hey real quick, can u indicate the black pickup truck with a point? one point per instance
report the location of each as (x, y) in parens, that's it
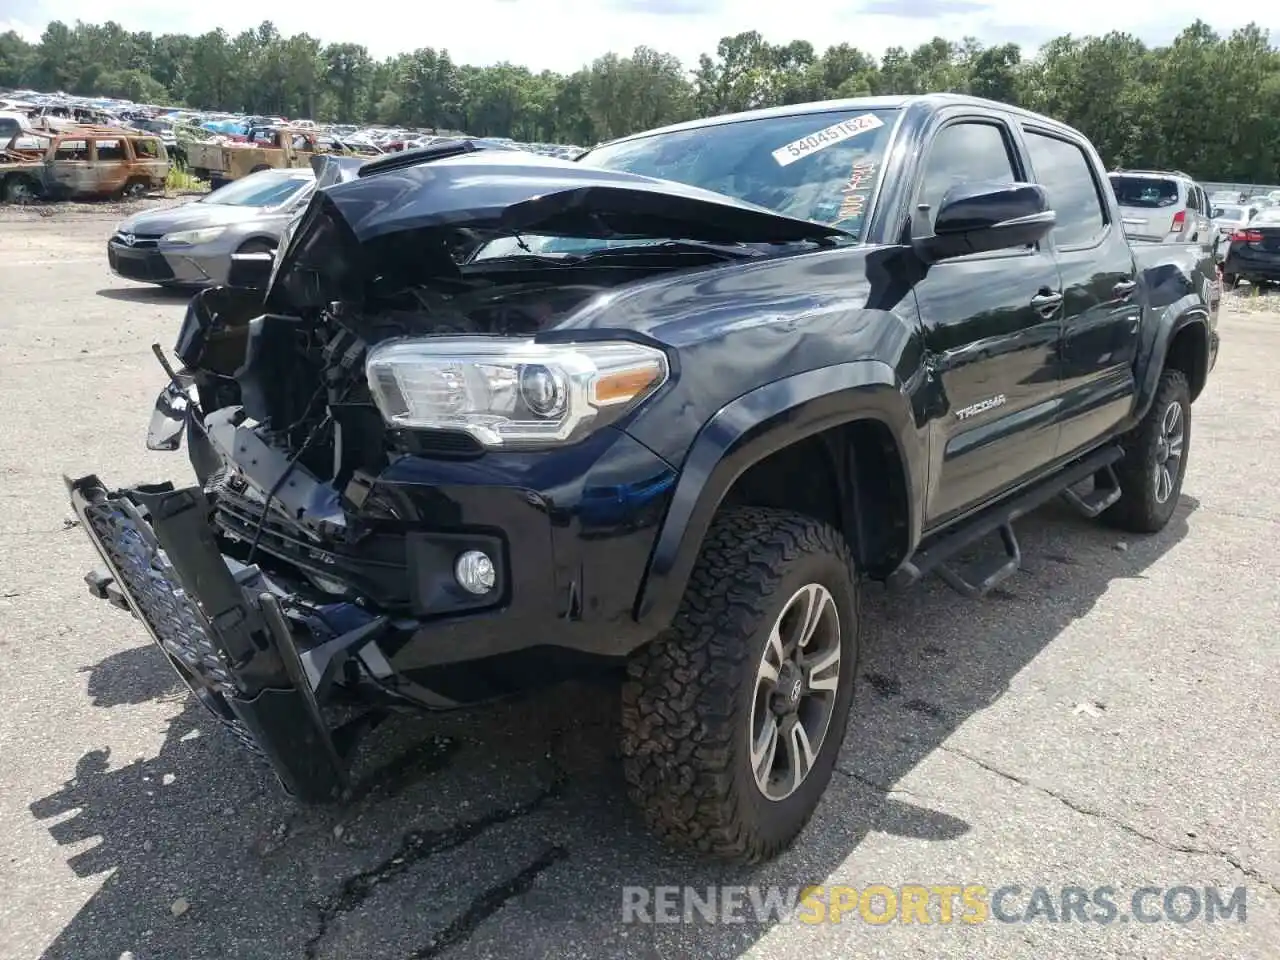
(493, 419)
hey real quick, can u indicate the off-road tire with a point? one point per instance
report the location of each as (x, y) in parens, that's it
(1138, 510)
(686, 703)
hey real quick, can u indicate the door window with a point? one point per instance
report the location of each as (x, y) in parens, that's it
(965, 152)
(1067, 176)
(146, 149)
(110, 150)
(72, 150)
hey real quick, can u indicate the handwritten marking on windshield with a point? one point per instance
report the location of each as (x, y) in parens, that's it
(836, 133)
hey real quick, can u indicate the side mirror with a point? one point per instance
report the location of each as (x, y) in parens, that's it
(982, 217)
(250, 271)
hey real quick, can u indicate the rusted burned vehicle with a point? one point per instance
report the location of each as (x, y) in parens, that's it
(222, 162)
(83, 163)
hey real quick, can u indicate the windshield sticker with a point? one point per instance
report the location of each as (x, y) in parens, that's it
(851, 206)
(853, 195)
(836, 133)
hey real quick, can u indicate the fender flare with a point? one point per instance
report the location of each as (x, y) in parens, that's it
(750, 428)
(1172, 322)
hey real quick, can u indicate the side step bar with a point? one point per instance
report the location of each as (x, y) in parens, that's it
(1105, 492)
(999, 518)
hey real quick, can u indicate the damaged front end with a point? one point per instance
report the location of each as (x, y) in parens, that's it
(405, 465)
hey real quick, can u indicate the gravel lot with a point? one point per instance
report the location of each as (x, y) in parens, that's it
(1109, 718)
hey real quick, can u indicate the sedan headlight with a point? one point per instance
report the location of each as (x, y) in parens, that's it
(192, 237)
(509, 392)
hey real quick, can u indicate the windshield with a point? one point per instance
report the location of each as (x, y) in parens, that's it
(1229, 213)
(1145, 192)
(816, 166)
(267, 189)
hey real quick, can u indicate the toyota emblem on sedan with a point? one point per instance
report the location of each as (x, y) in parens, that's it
(129, 239)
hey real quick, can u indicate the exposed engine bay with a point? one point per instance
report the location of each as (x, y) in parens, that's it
(288, 441)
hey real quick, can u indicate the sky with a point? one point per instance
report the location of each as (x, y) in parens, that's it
(563, 35)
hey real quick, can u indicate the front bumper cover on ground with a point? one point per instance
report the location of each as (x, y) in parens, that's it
(222, 628)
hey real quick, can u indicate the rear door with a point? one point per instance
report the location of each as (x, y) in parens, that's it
(150, 159)
(109, 161)
(1101, 310)
(1150, 207)
(992, 324)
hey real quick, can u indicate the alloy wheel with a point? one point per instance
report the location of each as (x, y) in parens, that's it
(1173, 432)
(795, 691)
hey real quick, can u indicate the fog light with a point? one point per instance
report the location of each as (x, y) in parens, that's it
(475, 572)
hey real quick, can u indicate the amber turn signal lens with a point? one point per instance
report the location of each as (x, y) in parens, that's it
(621, 386)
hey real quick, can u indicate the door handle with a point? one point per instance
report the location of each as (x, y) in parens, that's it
(1046, 303)
(1124, 288)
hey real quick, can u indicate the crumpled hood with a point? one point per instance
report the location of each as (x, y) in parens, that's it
(517, 192)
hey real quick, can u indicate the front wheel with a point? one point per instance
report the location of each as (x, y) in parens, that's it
(1155, 460)
(19, 189)
(732, 719)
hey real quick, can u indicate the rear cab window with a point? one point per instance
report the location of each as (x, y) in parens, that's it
(1151, 193)
(1064, 170)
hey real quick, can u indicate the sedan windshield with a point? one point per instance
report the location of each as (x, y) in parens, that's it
(813, 166)
(265, 189)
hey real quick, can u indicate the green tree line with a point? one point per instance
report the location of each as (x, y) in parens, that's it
(1206, 103)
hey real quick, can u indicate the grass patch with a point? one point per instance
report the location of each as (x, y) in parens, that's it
(180, 180)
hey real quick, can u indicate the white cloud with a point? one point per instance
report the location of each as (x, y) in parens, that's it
(564, 34)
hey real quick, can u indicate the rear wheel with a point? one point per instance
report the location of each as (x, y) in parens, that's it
(1155, 460)
(732, 720)
(133, 190)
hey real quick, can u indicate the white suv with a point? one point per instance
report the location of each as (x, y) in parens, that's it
(1168, 206)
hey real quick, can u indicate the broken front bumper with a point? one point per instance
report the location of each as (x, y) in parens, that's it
(222, 629)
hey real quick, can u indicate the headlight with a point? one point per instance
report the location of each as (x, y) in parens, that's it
(508, 392)
(190, 237)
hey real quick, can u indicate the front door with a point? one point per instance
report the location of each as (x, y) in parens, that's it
(70, 170)
(992, 323)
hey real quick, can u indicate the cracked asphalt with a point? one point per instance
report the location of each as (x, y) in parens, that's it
(1109, 717)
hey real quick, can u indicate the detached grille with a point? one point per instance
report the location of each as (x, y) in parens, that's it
(145, 574)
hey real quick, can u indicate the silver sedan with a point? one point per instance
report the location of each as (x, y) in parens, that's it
(191, 245)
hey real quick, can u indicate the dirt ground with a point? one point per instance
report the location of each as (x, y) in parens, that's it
(1107, 718)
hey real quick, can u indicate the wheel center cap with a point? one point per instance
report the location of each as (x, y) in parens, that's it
(793, 696)
(789, 690)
